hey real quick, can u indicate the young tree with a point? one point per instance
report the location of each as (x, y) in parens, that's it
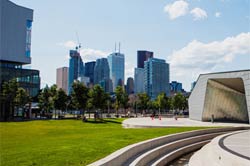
(143, 101)
(61, 101)
(124, 101)
(8, 94)
(163, 102)
(119, 92)
(21, 98)
(179, 101)
(80, 95)
(45, 101)
(97, 98)
(121, 99)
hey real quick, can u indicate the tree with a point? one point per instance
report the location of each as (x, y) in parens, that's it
(45, 101)
(163, 102)
(179, 102)
(97, 98)
(53, 95)
(143, 101)
(21, 98)
(121, 98)
(8, 95)
(80, 95)
(124, 101)
(61, 100)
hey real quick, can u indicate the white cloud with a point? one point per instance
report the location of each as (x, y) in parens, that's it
(89, 54)
(68, 44)
(198, 13)
(198, 57)
(176, 9)
(217, 14)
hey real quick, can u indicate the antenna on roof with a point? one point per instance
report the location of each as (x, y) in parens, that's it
(115, 46)
(78, 47)
(119, 47)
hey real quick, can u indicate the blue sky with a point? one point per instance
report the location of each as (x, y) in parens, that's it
(194, 36)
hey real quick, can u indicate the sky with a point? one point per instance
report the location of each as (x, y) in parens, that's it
(193, 36)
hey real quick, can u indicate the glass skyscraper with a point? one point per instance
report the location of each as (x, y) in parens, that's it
(76, 68)
(102, 73)
(130, 85)
(116, 63)
(139, 77)
(156, 77)
(142, 56)
(175, 87)
(89, 71)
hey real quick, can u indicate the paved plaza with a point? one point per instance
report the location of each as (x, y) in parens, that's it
(172, 122)
(238, 144)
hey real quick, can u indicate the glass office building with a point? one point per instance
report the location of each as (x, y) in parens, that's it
(175, 87)
(142, 56)
(139, 77)
(102, 73)
(89, 71)
(156, 77)
(116, 64)
(15, 46)
(76, 68)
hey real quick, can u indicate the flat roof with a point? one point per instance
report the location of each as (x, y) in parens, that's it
(227, 72)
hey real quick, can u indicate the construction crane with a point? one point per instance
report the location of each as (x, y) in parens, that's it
(78, 46)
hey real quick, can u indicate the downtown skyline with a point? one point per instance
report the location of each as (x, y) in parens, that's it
(197, 38)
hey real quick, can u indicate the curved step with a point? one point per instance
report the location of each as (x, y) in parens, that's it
(128, 154)
(219, 153)
(178, 153)
(153, 154)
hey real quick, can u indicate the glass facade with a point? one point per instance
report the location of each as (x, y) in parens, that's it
(76, 68)
(116, 63)
(175, 87)
(143, 56)
(27, 79)
(102, 73)
(156, 77)
(28, 37)
(139, 77)
(89, 70)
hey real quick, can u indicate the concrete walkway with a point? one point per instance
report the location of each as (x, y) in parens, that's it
(238, 144)
(229, 149)
(147, 122)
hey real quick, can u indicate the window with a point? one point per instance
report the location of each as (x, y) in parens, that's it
(28, 37)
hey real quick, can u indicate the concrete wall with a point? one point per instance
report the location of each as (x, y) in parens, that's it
(197, 98)
(13, 32)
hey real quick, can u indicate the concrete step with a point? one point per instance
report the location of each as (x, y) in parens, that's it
(148, 157)
(129, 154)
(164, 160)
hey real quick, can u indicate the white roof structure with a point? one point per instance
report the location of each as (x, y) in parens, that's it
(223, 97)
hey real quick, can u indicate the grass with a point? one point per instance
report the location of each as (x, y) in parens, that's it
(68, 142)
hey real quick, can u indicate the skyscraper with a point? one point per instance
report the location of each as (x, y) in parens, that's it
(130, 85)
(101, 75)
(89, 71)
(142, 56)
(76, 68)
(116, 63)
(62, 78)
(156, 77)
(15, 46)
(138, 82)
(175, 87)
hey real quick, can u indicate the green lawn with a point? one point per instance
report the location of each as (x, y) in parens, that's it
(68, 142)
